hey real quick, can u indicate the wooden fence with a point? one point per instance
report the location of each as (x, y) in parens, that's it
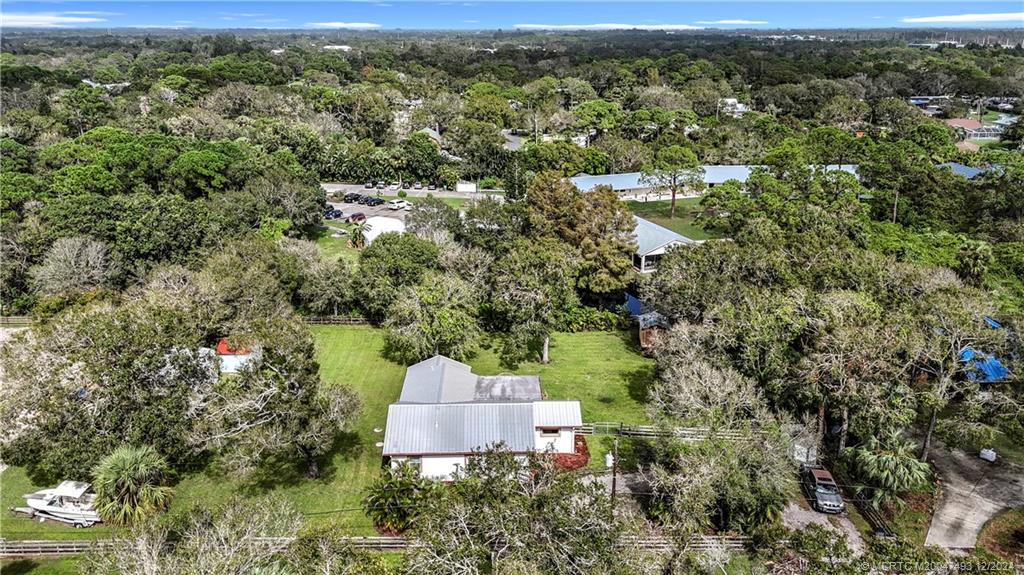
(10, 549)
(335, 320)
(15, 321)
(684, 433)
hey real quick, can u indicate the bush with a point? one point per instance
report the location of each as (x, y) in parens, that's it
(591, 319)
(489, 183)
(395, 497)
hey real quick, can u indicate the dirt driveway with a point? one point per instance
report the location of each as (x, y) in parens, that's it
(971, 491)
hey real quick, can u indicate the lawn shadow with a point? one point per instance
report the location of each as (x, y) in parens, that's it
(19, 567)
(639, 383)
(276, 472)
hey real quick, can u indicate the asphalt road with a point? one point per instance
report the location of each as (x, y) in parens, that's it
(370, 211)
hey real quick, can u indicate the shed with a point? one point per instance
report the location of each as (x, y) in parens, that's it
(379, 225)
(650, 327)
(232, 359)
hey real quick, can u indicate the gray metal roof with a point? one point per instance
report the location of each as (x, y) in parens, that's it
(461, 428)
(650, 236)
(652, 319)
(557, 414)
(712, 175)
(507, 388)
(438, 380)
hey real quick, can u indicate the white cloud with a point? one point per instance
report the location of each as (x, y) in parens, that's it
(243, 14)
(998, 17)
(734, 21)
(92, 13)
(606, 26)
(345, 25)
(44, 20)
(470, 21)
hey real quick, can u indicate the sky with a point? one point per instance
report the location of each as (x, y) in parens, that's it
(489, 14)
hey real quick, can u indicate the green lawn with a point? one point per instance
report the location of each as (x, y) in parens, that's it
(659, 211)
(335, 248)
(603, 370)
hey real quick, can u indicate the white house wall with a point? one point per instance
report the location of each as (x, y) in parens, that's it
(562, 443)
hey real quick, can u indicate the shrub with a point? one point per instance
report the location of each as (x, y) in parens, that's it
(130, 485)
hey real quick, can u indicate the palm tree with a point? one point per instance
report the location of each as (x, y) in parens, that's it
(887, 467)
(130, 485)
(393, 499)
(359, 234)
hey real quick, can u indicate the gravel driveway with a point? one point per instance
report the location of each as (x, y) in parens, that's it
(797, 516)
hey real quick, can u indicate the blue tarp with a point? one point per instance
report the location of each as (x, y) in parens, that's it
(633, 305)
(987, 369)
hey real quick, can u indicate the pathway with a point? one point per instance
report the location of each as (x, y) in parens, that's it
(796, 516)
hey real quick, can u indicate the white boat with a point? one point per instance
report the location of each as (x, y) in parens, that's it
(70, 502)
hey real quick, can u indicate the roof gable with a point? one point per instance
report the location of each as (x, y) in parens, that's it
(650, 236)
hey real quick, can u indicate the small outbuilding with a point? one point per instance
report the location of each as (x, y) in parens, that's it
(651, 327)
(232, 358)
(378, 225)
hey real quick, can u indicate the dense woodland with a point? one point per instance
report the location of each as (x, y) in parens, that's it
(144, 219)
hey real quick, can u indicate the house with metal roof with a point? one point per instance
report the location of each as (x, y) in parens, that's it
(634, 183)
(446, 413)
(652, 241)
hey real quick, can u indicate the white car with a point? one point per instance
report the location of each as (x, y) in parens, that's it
(395, 185)
(399, 205)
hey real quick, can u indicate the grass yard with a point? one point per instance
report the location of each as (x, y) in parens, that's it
(1003, 536)
(659, 211)
(603, 370)
(336, 248)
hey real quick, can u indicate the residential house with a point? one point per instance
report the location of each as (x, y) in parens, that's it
(652, 241)
(732, 107)
(446, 413)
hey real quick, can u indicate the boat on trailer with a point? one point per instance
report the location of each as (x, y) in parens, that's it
(70, 502)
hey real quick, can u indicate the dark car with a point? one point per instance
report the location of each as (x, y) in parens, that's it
(375, 202)
(365, 200)
(822, 490)
(356, 217)
(352, 197)
(336, 214)
(329, 215)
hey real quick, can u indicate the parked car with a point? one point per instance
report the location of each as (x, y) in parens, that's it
(368, 185)
(337, 214)
(417, 186)
(432, 187)
(398, 204)
(329, 215)
(395, 185)
(375, 202)
(405, 185)
(356, 217)
(381, 185)
(364, 200)
(352, 197)
(822, 490)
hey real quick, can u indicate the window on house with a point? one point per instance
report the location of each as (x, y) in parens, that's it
(550, 432)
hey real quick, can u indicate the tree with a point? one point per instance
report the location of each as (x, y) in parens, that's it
(886, 467)
(531, 294)
(598, 115)
(72, 265)
(604, 236)
(675, 168)
(84, 107)
(324, 550)
(973, 261)
(130, 485)
(275, 405)
(391, 263)
(396, 498)
(217, 542)
(437, 316)
(495, 518)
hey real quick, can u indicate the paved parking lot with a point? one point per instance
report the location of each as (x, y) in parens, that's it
(382, 210)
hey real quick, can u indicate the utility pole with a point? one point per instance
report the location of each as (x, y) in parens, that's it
(615, 467)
